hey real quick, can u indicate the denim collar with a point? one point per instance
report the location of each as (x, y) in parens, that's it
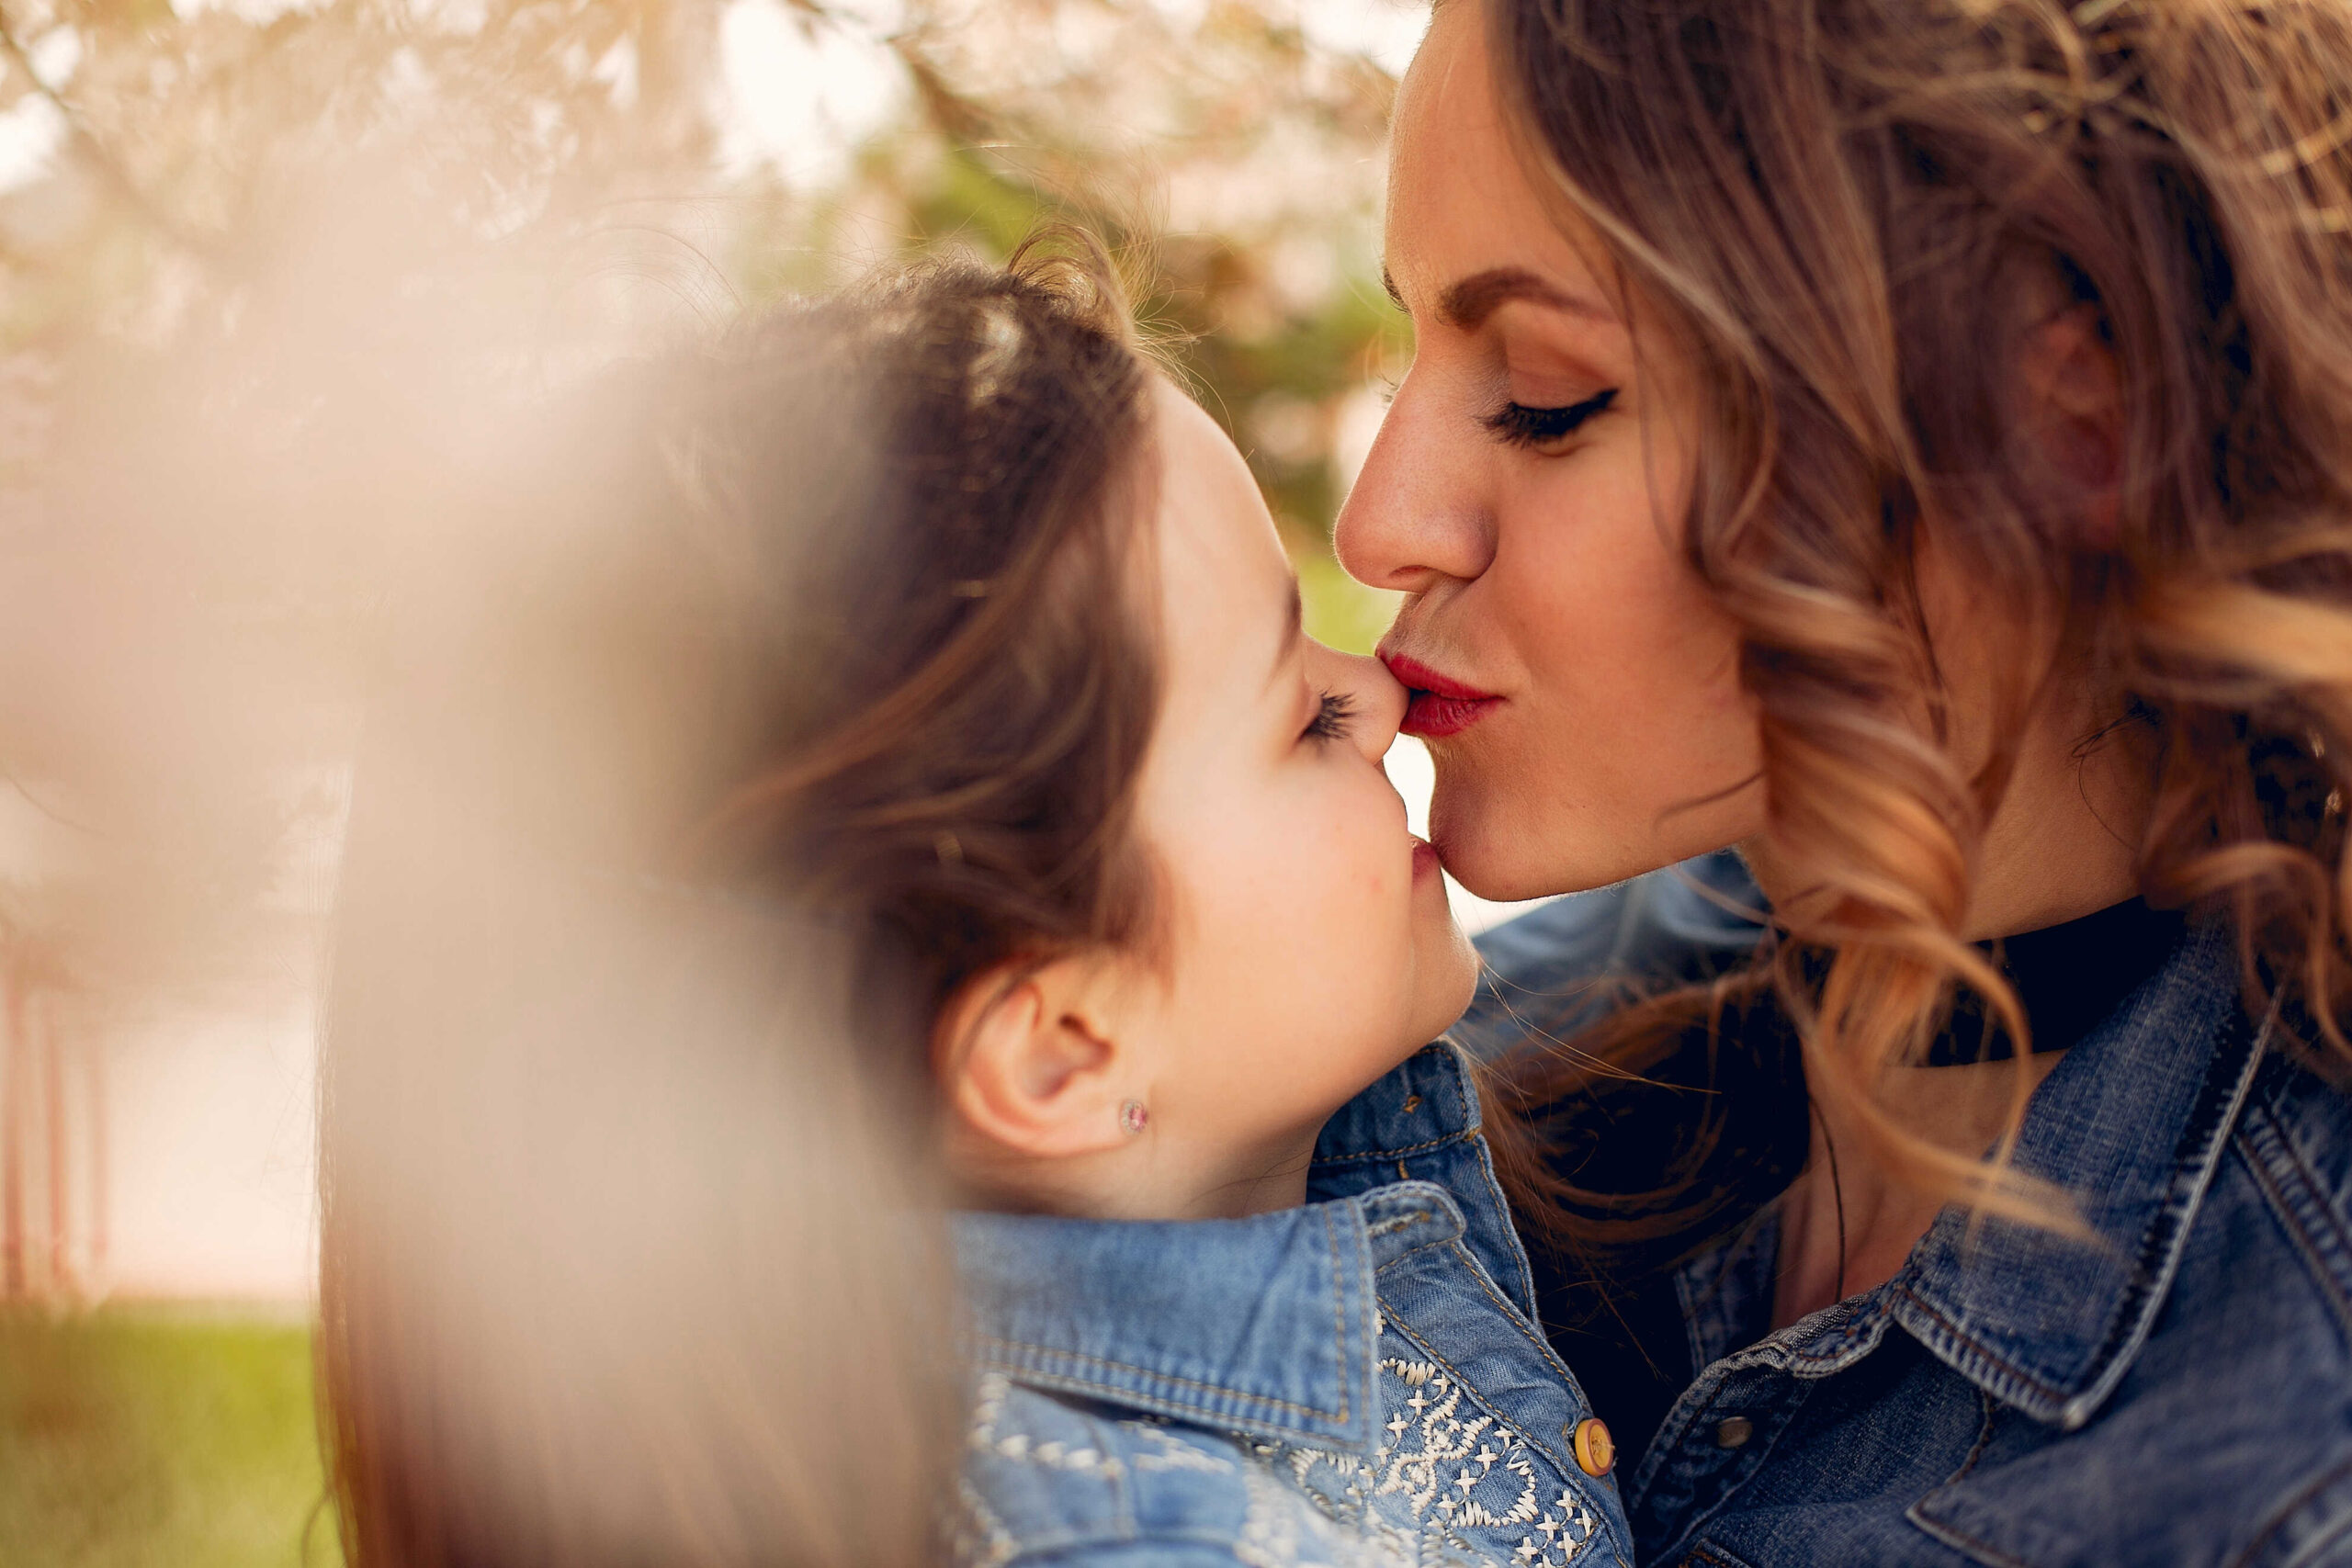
(2132, 1123)
(1267, 1325)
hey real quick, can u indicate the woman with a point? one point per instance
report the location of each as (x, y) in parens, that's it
(1905, 442)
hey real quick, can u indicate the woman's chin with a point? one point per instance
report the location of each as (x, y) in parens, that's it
(1500, 866)
(1508, 856)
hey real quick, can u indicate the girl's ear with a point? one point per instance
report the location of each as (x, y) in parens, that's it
(1029, 1061)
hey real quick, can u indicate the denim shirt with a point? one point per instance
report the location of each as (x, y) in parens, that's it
(1358, 1381)
(2176, 1390)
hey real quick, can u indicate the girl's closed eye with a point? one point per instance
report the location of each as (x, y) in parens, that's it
(1333, 710)
(1520, 425)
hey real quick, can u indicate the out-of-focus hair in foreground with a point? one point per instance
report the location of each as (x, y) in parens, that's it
(782, 706)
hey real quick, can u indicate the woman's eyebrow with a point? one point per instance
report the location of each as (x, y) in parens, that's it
(1468, 303)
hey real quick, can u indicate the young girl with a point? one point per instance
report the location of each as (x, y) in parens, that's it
(1238, 1282)
(966, 637)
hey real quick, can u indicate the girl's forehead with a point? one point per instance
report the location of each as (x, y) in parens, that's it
(1226, 584)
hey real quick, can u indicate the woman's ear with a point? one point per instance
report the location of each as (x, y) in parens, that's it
(2074, 394)
(1028, 1060)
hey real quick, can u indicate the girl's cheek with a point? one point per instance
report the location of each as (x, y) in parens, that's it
(1368, 829)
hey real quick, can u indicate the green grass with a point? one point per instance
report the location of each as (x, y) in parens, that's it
(130, 1439)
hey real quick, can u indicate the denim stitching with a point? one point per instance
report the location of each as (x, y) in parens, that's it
(1340, 1315)
(1417, 1249)
(1119, 1393)
(1518, 1248)
(2000, 1364)
(1705, 1555)
(1462, 1105)
(1456, 1082)
(1984, 1440)
(2263, 1144)
(1511, 1313)
(2280, 1516)
(1985, 1550)
(1339, 1326)
(2219, 1105)
(1397, 1152)
(1918, 1514)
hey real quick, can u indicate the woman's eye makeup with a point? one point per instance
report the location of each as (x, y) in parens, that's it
(1333, 710)
(1520, 425)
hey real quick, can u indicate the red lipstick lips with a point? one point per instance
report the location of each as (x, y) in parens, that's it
(1439, 706)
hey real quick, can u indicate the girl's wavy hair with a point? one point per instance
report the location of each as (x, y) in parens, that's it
(959, 760)
(1835, 206)
(811, 677)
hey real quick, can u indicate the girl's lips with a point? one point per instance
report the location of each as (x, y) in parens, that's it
(1440, 707)
(1425, 861)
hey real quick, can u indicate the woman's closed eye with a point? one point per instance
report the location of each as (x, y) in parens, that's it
(1520, 425)
(1333, 711)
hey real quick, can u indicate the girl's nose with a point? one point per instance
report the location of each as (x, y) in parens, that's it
(1375, 697)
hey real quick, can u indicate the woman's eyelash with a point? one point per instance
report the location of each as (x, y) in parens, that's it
(1332, 714)
(1523, 427)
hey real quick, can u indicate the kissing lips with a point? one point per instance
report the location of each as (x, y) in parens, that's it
(1425, 861)
(1439, 706)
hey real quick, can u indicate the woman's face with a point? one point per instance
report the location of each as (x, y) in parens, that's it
(1576, 685)
(1312, 948)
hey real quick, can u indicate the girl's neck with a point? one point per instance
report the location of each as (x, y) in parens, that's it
(1153, 1179)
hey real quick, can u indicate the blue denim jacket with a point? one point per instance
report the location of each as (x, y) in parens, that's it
(1357, 1381)
(2178, 1392)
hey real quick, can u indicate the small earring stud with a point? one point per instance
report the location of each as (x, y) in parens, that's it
(1133, 1117)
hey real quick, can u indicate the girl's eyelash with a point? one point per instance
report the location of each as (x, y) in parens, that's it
(1522, 426)
(1332, 713)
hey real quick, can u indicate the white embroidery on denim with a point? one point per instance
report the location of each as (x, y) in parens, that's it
(1440, 1473)
(1437, 1475)
(981, 1540)
(988, 1407)
(1174, 1453)
(1281, 1531)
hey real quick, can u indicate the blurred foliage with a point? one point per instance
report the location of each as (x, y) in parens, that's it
(147, 1441)
(154, 155)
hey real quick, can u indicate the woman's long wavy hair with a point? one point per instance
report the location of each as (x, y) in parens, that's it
(1840, 209)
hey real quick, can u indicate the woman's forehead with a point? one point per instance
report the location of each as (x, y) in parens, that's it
(1461, 205)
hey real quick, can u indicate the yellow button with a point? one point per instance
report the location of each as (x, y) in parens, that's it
(1596, 1451)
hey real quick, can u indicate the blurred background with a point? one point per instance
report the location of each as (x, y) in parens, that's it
(222, 228)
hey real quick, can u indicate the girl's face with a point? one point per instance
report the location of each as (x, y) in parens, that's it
(1576, 686)
(1309, 948)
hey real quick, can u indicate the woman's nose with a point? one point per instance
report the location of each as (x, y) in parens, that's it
(1417, 513)
(1376, 699)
